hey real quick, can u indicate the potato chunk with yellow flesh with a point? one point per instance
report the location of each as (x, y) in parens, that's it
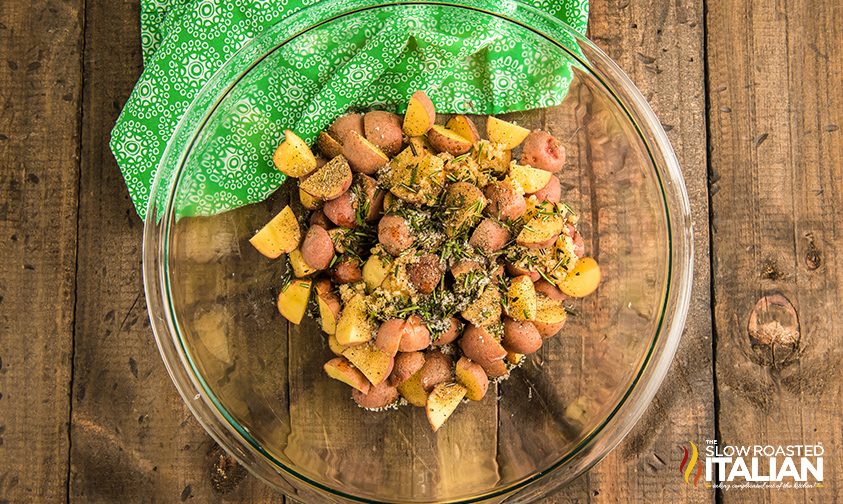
(354, 326)
(583, 279)
(279, 236)
(418, 178)
(442, 402)
(371, 361)
(506, 133)
(293, 157)
(521, 299)
(292, 301)
(527, 178)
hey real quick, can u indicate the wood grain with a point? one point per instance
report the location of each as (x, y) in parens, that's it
(133, 439)
(659, 45)
(40, 92)
(776, 106)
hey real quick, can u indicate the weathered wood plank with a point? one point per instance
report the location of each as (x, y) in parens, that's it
(128, 421)
(776, 106)
(40, 92)
(659, 44)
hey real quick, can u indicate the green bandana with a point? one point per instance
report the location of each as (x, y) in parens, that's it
(372, 59)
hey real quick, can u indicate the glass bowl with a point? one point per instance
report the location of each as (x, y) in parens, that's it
(255, 382)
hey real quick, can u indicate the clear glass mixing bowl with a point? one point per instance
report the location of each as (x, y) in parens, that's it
(255, 382)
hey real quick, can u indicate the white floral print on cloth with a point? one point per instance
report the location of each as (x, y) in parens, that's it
(375, 58)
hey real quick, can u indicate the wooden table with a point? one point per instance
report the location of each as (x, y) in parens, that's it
(750, 94)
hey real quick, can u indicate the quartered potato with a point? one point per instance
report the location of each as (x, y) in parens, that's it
(583, 279)
(279, 236)
(442, 402)
(292, 301)
(293, 157)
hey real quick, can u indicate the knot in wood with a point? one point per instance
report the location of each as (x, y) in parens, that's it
(773, 330)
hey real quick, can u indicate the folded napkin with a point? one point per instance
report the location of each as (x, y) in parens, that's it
(374, 58)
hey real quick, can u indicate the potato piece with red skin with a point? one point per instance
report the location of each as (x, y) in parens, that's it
(479, 345)
(347, 270)
(383, 129)
(438, 368)
(344, 125)
(463, 126)
(389, 337)
(379, 396)
(339, 368)
(548, 289)
(420, 115)
(329, 181)
(465, 266)
(541, 150)
(426, 273)
(489, 236)
(472, 376)
(406, 365)
(329, 146)
(576, 237)
(317, 249)
(318, 218)
(394, 234)
(552, 192)
(520, 336)
(451, 334)
(515, 270)
(444, 140)
(548, 329)
(372, 197)
(341, 211)
(505, 202)
(415, 335)
(363, 156)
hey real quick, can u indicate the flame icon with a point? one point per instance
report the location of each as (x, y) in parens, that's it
(686, 467)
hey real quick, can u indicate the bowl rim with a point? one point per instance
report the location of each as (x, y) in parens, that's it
(236, 439)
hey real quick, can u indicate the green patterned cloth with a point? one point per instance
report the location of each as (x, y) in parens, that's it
(374, 58)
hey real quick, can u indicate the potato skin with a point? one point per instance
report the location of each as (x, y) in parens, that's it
(548, 289)
(552, 192)
(362, 155)
(341, 211)
(389, 336)
(318, 218)
(520, 336)
(451, 334)
(317, 249)
(373, 196)
(516, 271)
(438, 368)
(576, 237)
(547, 330)
(444, 140)
(543, 151)
(505, 203)
(406, 365)
(347, 271)
(472, 376)
(460, 268)
(480, 346)
(394, 234)
(426, 273)
(415, 335)
(489, 236)
(379, 396)
(384, 130)
(344, 125)
(328, 145)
